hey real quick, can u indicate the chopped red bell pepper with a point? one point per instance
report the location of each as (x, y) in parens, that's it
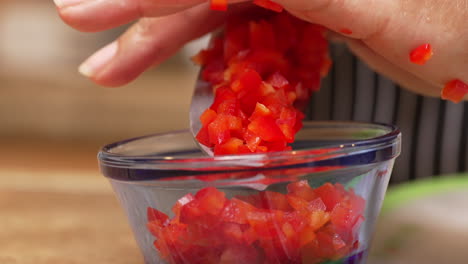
(266, 227)
(263, 72)
(220, 5)
(269, 5)
(454, 91)
(421, 54)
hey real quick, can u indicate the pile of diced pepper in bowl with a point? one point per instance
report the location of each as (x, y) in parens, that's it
(305, 225)
(263, 72)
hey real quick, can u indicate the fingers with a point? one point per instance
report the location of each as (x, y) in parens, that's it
(392, 71)
(99, 15)
(392, 29)
(148, 42)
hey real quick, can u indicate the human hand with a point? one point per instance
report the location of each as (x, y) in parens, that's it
(382, 33)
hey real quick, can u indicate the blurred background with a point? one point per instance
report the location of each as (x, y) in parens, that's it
(53, 122)
(45, 103)
(55, 207)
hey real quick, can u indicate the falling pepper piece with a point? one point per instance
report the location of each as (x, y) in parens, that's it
(454, 91)
(421, 54)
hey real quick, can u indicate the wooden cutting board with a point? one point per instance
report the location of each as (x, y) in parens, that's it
(62, 217)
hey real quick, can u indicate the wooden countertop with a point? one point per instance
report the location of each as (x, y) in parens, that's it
(56, 208)
(62, 217)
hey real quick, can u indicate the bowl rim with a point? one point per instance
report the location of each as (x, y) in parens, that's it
(391, 139)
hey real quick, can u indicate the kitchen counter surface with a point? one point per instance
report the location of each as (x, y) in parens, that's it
(56, 208)
(62, 217)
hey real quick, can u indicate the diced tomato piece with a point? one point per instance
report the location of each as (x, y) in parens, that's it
(220, 5)
(268, 4)
(454, 91)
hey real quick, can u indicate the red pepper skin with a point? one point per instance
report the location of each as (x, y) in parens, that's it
(454, 91)
(263, 72)
(219, 5)
(421, 54)
(269, 5)
(346, 31)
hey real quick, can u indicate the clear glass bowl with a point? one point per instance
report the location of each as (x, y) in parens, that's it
(315, 204)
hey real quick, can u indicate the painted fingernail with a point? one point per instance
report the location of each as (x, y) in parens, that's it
(98, 60)
(65, 3)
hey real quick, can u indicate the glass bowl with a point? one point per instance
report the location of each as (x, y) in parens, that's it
(315, 204)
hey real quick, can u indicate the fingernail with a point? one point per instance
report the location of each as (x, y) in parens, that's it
(65, 3)
(98, 60)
